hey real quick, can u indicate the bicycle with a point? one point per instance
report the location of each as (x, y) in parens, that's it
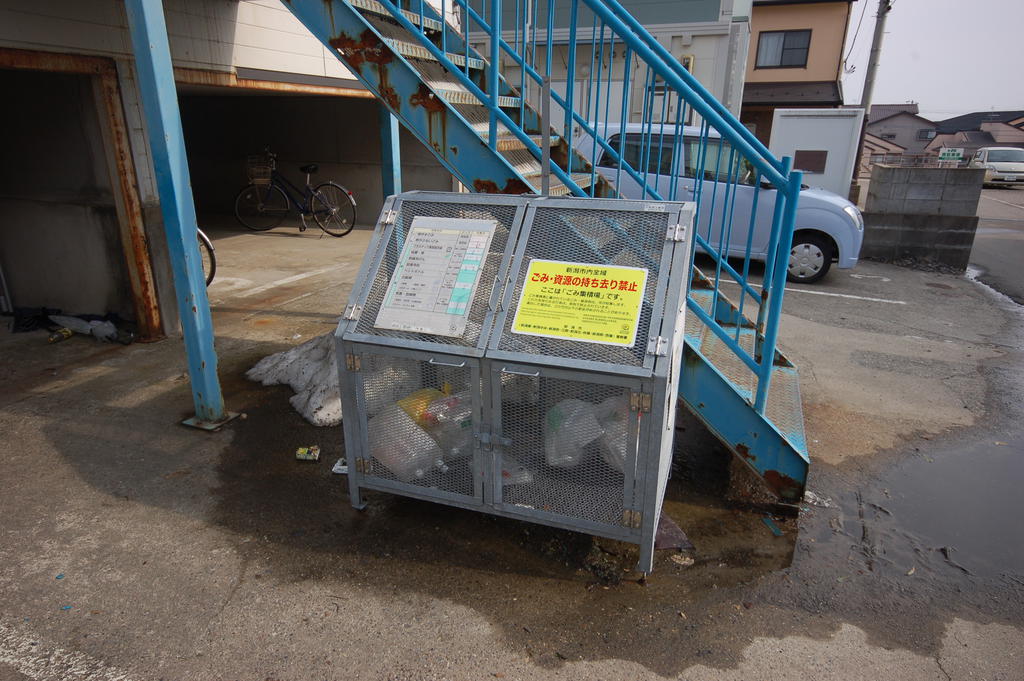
(268, 198)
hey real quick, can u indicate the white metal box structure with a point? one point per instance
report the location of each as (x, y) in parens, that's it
(828, 138)
(519, 356)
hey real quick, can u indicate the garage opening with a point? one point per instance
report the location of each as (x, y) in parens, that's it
(60, 239)
(340, 134)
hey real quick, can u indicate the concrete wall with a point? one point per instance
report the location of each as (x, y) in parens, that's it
(925, 191)
(922, 214)
(827, 22)
(905, 127)
(59, 239)
(340, 134)
(204, 34)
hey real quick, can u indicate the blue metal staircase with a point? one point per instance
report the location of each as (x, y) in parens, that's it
(481, 114)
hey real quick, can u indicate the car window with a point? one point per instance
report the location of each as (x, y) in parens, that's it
(716, 161)
(1006, 155)
(716, 165)
(659, 159)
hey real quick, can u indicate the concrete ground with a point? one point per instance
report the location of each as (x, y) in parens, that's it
(135, 548)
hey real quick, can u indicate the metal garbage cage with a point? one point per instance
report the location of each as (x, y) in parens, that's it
(519, 356)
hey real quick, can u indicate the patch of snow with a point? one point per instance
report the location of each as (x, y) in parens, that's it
(311, 370)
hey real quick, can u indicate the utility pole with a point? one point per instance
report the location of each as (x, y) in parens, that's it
(884, 7)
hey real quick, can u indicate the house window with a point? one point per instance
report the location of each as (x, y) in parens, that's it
(925, 134)
(888, 135)
(782, 49)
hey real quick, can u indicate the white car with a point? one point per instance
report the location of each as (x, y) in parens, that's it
(1003, 165)
(828, 227)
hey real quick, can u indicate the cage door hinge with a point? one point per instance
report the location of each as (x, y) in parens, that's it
(353, 362)
(363, 466)
(676, 232)
(352, 311)
(632, 518)
(640, 402)
(657, 346)
(389, 217)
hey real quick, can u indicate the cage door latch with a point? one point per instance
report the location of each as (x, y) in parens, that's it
(657, 346)
(488, 441)
(640, 402)
(631, 518)
(676, 232)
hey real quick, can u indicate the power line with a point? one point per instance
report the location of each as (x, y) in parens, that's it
(863, 9)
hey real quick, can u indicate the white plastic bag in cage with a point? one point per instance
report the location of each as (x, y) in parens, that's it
(613, 416)
(401, 446)
(569, 427)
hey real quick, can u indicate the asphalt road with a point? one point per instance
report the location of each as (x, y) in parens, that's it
(999, 244)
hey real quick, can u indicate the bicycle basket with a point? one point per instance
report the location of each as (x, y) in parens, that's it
(259, 169)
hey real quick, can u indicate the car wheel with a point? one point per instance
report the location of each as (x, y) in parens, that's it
(810, 257)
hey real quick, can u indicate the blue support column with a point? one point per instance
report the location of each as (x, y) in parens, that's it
(390, 153)
(167, 144)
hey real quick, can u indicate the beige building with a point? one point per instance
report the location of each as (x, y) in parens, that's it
(795, 58)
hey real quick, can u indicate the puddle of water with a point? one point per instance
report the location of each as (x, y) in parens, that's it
(967, 503)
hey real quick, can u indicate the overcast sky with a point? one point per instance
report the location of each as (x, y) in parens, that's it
(949, 56)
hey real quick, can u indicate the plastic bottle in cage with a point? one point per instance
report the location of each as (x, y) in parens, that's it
(400, 445)
(449, 419)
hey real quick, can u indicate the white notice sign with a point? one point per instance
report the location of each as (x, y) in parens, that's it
(432, 288)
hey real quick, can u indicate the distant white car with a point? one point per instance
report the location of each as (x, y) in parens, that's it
(828, 227)
(1003, 165)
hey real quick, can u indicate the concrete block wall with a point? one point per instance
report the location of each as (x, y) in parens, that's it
(924, 191)
(922, 214)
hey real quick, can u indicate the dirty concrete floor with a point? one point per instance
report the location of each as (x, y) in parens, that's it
(135, 548)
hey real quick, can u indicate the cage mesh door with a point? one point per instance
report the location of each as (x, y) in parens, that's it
(503, 214)
(570, 447)
(599, 237)
(420, 422)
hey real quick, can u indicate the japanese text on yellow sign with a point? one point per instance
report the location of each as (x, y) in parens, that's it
(581, 302)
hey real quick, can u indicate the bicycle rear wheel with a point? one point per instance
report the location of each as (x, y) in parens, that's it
(206, 253)
(334, 209)
(261, 206)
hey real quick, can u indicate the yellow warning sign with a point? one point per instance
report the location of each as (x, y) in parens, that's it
(581, 302)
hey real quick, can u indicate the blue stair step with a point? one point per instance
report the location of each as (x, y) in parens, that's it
(374, 7)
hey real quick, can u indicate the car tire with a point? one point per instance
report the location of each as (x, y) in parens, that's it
(810, 257)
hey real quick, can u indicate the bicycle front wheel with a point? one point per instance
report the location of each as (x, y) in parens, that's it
(261, 206)
(334, 209)
(208, 258)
